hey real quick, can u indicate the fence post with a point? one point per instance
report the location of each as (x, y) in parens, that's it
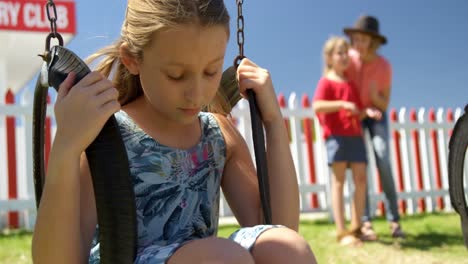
(435, 152)
(380, 203)
(27, 99)
(417, 156)
(399, 168)
(245, 124)
(443, 150)
(297, 148)
(282, 104)
(450, 119)
(427, 171)
(309, 136)
(13, 219)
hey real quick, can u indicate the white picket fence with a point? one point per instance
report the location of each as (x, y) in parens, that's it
(420, 170)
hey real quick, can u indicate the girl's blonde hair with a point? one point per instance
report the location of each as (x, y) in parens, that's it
(143, 19)
(330, 45)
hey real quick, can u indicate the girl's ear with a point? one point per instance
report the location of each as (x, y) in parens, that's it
(130, 62)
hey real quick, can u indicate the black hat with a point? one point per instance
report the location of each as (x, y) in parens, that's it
(367, 25)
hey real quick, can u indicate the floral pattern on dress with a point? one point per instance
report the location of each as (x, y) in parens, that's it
(177, 192)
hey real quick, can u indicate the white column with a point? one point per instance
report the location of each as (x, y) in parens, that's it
(3, 79)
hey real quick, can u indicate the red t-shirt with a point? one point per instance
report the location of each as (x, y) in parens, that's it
(340, 123)
(376, 74)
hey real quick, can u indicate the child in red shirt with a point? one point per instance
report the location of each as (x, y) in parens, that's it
(339, 110)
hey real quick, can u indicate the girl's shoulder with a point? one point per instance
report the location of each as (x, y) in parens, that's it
(211, 126)
(323, 82)
(208, 119)
(225, 123)
(125, 121)
(231, 134)
(332, 83)
(324, 79)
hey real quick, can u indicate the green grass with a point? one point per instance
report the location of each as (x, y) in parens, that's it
(432, 238)
(15, 247)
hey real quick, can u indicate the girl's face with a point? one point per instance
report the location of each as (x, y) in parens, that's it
(181, 70)
(339, 59)
(361, 42)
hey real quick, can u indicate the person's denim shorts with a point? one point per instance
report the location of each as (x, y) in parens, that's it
(345, 149)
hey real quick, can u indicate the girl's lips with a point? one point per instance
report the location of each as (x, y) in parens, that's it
(190, 111)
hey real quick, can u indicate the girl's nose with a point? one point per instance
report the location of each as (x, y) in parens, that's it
(194, 93)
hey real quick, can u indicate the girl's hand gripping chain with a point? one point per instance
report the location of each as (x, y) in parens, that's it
(251, 76)
(82, 110)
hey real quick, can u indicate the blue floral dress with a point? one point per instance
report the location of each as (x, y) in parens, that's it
(176, 191)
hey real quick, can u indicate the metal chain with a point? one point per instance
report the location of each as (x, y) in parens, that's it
(52, 19)
(52, 16)
(240, 33)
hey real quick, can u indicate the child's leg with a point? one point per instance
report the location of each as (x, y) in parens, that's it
(212, 250)
(338, 179)
(360, 185)
(282, 245)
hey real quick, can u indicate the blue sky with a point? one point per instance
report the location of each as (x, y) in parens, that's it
(427, 42)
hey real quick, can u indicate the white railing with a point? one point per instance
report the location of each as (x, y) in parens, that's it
(419, 151)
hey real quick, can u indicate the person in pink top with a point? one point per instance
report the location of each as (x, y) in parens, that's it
(372, 74)
(339, 111)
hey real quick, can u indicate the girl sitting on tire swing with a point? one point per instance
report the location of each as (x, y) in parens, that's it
(169, 62)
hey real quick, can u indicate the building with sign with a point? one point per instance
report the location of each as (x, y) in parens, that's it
(24, 27)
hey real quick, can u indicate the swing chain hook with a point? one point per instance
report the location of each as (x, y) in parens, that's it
(52, 17)
(240, 33)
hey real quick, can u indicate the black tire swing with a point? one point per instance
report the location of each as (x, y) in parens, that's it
(107, 157)
(456, 163)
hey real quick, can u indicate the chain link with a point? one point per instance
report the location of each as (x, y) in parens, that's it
(52, 19)
(240, 33)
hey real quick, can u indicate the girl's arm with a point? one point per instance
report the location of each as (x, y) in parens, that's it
(57, 232)
(66, 216)
(284, 189)
(325, 106)
(239, 181)
(380, 100)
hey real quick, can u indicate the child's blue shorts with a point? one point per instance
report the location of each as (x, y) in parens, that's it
(245, 237)
(345, 149)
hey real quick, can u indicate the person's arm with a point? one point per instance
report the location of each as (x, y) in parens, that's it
(239, 180)
(240, 184)
(57, 236)
(371, 112)
(323, 106)
(380, 100)
(66, 216)
(325, 100)
(67, 213)
(284, 189)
